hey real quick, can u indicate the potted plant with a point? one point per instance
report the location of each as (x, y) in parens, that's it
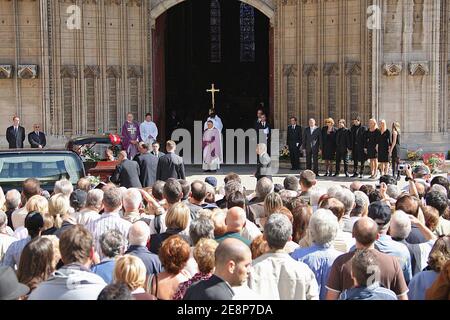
(414, 155)
(284, 153)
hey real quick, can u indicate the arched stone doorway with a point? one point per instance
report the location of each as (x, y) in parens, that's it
(158, 13)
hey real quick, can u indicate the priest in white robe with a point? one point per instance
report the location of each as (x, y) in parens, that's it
(212, 148)
(215, 119)
(149, 130)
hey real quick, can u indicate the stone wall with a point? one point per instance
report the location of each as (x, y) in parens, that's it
(327, 62)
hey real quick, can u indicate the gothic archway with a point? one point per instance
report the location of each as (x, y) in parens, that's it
(160, 6)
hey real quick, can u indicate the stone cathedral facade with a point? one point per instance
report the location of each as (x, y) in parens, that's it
(328, 58)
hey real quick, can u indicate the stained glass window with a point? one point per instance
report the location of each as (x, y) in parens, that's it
(215, 31)
(247, 15)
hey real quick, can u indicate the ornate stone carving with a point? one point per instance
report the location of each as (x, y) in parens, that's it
(310, 69)
(290, 70)
(6, 71)
(353, 68)
(91, 71)
(69, 71)
(392, 69)
(131, 3)
(27, 71)
(419, 68)
(331, 69)
(109, 2)
(134, 72)
(114, 72)
(90, 1)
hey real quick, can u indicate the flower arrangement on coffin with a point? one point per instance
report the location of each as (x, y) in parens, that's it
(284, 153)
(94, 180)
(434, 161)
(414, 155)
(91, 156)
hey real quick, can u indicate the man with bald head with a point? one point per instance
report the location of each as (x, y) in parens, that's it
(235, 222)
(127, 172)
(387, 271)
(138, 237)
(233, 260)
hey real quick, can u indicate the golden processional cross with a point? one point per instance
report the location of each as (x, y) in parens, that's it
(213, 91)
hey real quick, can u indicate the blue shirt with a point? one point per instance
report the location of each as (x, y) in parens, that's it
(386, 245)
(373, 292)
(420, 283)
(151, 261)
(12, 255)
(105, 269)
(319, 259)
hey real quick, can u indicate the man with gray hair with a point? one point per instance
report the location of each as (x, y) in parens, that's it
(5, 238)
(93, 206)
(110, 219)
(360, 209)
(112, 244)
(348, 199)
(13, 202)
(400, 228)
(201, 228)
(276, 276)
(132, 202)
(256, 205)
(138, 237)
(323, 228)
(63, 186)
(231, 187)
(263, 167)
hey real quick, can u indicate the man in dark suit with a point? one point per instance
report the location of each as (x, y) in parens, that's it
(155, 150)
(312, 139)
(358, 133)
(265, 131)
(263, 166)
(148, 164)
(343, 144)
(257, 123)
(232, 266)
(15, 134)
(127, 172)
(36, 138)
(294, 142)
(170, 165)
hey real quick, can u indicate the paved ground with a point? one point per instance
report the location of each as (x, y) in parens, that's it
(246, 172)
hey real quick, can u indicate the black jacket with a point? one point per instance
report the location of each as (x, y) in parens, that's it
(36, 140)
(170, 165)
(312, 142)
(212, 289)
(294, 136)
(127, 174)
(15, 140)
(358, 134)
(148, 164)
(343, 140)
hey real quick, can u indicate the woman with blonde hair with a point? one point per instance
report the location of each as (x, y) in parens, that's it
(131, 271)
(384, 145)
(328, 145)
(177, 220)
(394, 149)
(35, 203)
(272, 203)
(59, 210)
(371, 146)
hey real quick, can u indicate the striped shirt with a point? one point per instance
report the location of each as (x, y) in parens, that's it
(12, 255)
(108, 221)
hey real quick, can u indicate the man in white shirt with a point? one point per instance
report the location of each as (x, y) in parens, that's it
(149, 130)
(277, 276)
(94, 204)
(5, 238)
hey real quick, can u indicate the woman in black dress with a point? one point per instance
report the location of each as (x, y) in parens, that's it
(328, 145)
(384, 144)
(371, 149)
(394, 149)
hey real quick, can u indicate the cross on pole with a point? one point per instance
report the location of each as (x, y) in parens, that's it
(213, 91)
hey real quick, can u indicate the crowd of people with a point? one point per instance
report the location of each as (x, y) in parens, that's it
(206, 240)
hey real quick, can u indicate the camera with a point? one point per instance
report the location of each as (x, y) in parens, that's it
(402, 167)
